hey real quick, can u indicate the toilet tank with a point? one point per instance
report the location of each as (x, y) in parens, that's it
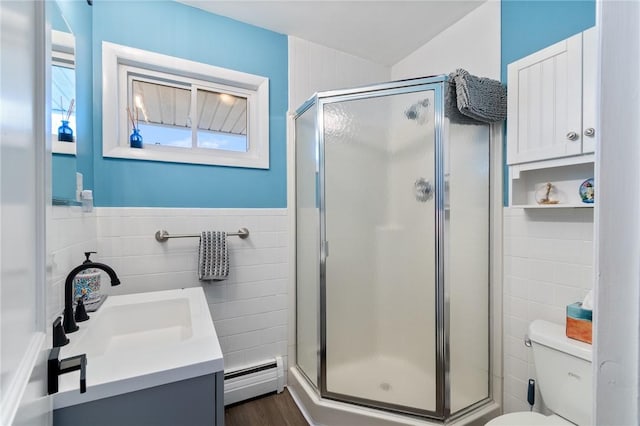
(563, 370)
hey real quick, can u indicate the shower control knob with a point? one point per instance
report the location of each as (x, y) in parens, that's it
(423, 190)
(572, 136)
(590, 132)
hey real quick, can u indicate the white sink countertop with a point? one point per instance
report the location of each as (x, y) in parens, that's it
(138, 341)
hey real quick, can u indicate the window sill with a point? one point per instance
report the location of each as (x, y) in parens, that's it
(177, 155)
(58, 147)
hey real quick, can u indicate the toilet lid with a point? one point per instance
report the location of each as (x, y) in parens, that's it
(528, 418)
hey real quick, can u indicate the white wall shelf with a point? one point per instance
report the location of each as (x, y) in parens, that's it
(552, 206)
(528, 184)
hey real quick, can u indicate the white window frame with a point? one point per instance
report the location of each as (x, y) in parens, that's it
(118, 62)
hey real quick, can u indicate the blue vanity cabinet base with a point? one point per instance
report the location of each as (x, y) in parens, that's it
(196, 401)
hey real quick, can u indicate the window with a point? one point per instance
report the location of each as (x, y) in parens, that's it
(185, 111)
(162, 113)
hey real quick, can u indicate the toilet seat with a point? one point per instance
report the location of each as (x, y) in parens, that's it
(528, 418)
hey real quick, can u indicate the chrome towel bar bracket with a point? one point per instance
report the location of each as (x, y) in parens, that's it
(162, 235)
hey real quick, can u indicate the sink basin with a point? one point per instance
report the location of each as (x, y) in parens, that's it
(143, 340)
(138, 326)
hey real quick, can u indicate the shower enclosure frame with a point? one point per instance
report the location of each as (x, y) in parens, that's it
(443, 385)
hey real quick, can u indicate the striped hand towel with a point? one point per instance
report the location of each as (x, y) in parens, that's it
(213, 256)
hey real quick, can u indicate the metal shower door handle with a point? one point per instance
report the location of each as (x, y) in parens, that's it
(423, 190)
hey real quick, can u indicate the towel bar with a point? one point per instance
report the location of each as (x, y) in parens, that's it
(162, 236)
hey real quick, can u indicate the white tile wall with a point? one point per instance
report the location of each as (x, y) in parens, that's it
(314, 68)
(70, 234)
(548, 264)
(249, 309)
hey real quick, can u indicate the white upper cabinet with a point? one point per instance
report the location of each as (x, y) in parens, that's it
(551, 101)
(589, 85)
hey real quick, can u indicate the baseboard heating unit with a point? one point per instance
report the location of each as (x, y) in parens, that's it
(256, 380)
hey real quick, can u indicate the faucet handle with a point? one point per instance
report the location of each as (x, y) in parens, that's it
(59, 338)
(81, 311)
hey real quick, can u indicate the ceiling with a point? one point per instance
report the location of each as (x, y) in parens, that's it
(383, 31)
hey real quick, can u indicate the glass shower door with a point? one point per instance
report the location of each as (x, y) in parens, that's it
(307, 245)
(379, 223)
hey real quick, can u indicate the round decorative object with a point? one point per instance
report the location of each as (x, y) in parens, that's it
(587, 191)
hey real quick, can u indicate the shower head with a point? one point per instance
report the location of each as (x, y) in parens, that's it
(416, 111)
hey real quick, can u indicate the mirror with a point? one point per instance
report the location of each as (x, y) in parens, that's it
(63, 107)
(63, 92)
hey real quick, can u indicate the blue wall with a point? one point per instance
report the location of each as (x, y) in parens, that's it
(63, 169)
(530, 25)
(178, 30)
(174, 29)
(57, 20)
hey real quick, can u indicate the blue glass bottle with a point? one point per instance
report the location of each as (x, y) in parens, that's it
(135, 139)
(65, 133)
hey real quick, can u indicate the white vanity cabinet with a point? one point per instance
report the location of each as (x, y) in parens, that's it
(551, 101)
(551, 122)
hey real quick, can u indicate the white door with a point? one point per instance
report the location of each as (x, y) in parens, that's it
(23, 174)
(545, 103)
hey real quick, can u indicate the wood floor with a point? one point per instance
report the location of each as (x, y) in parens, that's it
(270, 410)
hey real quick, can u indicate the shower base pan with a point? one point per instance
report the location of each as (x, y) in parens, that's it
(319, 410)
(395, 381)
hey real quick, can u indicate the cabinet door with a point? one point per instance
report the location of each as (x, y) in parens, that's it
(545, 103)
(589, 86)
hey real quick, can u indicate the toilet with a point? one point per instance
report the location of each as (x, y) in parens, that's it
(564, 377)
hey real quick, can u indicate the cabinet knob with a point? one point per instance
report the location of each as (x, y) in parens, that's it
(590, 132)
(572, 136)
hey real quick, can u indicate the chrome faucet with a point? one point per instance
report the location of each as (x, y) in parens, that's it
(69, 321)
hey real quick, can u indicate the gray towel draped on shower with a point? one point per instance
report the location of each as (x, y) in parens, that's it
(213, 256)
(475, 98)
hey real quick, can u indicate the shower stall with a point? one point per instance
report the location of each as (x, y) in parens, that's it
(393, 250)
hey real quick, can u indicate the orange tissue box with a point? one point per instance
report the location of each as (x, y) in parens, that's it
(579, 323)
